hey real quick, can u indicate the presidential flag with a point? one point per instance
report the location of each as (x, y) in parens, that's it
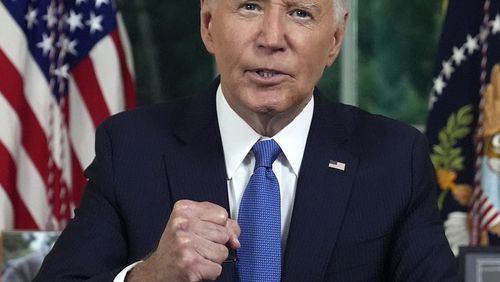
(64, 67)
(463, 126)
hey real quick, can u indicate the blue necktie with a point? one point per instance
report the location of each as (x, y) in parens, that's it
(259, 258)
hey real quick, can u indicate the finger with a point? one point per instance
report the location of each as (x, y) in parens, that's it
(194, 267)
(205, 211)
(213, 213)
(211, 251)
(234, 233)
(210, 270)
(211, 231)
(233, 227)
(233, 242)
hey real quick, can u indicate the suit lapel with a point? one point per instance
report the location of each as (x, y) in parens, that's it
(322, 196)
(195, 165)
(196, 170)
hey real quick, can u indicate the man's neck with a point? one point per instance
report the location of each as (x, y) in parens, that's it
(269, 123)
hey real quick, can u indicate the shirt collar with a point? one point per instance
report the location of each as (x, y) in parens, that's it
(238, 137)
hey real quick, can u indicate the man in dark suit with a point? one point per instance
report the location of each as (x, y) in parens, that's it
(164, 196)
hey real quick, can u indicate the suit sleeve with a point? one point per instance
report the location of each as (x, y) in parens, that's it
(420, 250)
(92, 247)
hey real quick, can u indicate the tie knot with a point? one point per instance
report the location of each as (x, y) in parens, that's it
(266, 153)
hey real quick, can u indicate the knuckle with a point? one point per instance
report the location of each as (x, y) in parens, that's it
(221, 235)
(186, 262)
(218, 211)
(194, 277)
(191, 277)
(220, 254)
(183, 205)
(183, 243)
(223, 215)
(180, 223)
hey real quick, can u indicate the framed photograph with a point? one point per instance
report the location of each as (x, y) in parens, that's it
(22, 253)
(480, 264)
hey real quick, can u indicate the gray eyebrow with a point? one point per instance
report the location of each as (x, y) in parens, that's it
(305, 4)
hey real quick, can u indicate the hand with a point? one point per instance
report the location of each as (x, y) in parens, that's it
(193, 245)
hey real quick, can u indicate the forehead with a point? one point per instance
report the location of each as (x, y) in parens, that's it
(311, 3)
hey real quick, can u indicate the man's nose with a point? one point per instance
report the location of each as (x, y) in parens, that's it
(273, 32)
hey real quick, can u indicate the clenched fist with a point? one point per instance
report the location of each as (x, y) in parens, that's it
(193, 245)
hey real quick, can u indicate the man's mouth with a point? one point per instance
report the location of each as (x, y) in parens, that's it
(268, 76)
(266, 73)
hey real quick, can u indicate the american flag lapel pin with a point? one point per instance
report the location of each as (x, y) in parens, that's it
(337, 165)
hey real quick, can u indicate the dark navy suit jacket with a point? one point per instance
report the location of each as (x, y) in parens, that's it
(375, 221)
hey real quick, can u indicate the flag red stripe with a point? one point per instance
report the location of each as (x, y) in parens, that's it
(128, 82)
(28, 149)
(32, 136)
(8, 175)
(485, 212)
(483, 201)
(90, 91)
(476, 195)
(487, 224)
(79, 179)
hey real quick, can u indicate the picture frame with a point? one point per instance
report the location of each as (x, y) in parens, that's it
(22, 253)
(479, 264)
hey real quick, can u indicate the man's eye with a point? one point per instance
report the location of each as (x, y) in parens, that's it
(249, 7)
(301, 14)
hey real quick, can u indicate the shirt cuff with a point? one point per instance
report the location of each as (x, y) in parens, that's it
(121, 276)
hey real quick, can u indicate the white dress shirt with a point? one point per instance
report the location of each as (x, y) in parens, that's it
(238, 139)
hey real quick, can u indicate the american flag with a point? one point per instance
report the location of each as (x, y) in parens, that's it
(337, 165)
(64, 67)
(465, 120)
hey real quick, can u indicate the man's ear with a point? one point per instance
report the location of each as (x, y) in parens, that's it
(338, 38)
(206, 11)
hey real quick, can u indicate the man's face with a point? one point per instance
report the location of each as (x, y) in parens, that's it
(270, 53)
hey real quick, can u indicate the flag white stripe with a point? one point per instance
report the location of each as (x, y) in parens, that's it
(15, 47)
(10, 131)
(81, 126)
(6, 211)
(37, 93)
(126, 44)
(60, 149)
(63, 161)
(32, 190)
(108, 74)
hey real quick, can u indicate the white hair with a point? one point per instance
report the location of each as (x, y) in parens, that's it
(340, 7)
